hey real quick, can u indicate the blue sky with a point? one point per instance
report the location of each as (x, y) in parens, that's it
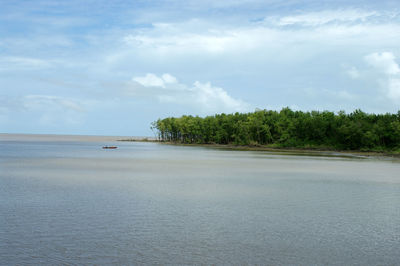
(112, 67)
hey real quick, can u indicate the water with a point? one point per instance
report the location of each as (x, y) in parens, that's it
(71, 202)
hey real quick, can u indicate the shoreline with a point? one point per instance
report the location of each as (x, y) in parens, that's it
(286, 150)
(283, 150)
(63, 137)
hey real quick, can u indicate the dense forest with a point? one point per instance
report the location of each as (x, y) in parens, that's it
(287, 128)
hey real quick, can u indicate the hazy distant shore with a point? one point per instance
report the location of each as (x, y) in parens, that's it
(55, 137)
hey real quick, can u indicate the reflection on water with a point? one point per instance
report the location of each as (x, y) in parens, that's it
(73, 202)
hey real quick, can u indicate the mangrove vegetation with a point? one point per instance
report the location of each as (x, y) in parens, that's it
(286, 128)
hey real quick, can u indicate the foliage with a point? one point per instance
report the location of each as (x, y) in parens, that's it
(287, 128)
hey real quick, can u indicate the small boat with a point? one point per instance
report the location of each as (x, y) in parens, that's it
(110, 147)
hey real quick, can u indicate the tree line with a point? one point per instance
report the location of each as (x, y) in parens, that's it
(286, 128)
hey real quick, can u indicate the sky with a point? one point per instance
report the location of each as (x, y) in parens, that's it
(102, 67)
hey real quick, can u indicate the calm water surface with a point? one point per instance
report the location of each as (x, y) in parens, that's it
(71, 202)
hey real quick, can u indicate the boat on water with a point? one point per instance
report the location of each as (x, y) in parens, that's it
(110, 147)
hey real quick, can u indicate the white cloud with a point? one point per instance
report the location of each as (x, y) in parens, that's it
(169, 78)
(384, 62)
(54, 110)
(151, 80)
(353, 73)
(199, 38)
(314, 93)
(345, 95)
(394, 89)
(202, 96)
(177, 38)
(194, 36)
(215, 98)
(43, 110)
(324, 17)
(38, 102)
(18, 62)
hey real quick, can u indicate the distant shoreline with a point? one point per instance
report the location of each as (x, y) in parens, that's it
(63, 137)
(285, 150)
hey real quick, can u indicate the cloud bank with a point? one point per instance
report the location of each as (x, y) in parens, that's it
(325, 17)
(386, 64)
(326, 28)
(204, 97)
